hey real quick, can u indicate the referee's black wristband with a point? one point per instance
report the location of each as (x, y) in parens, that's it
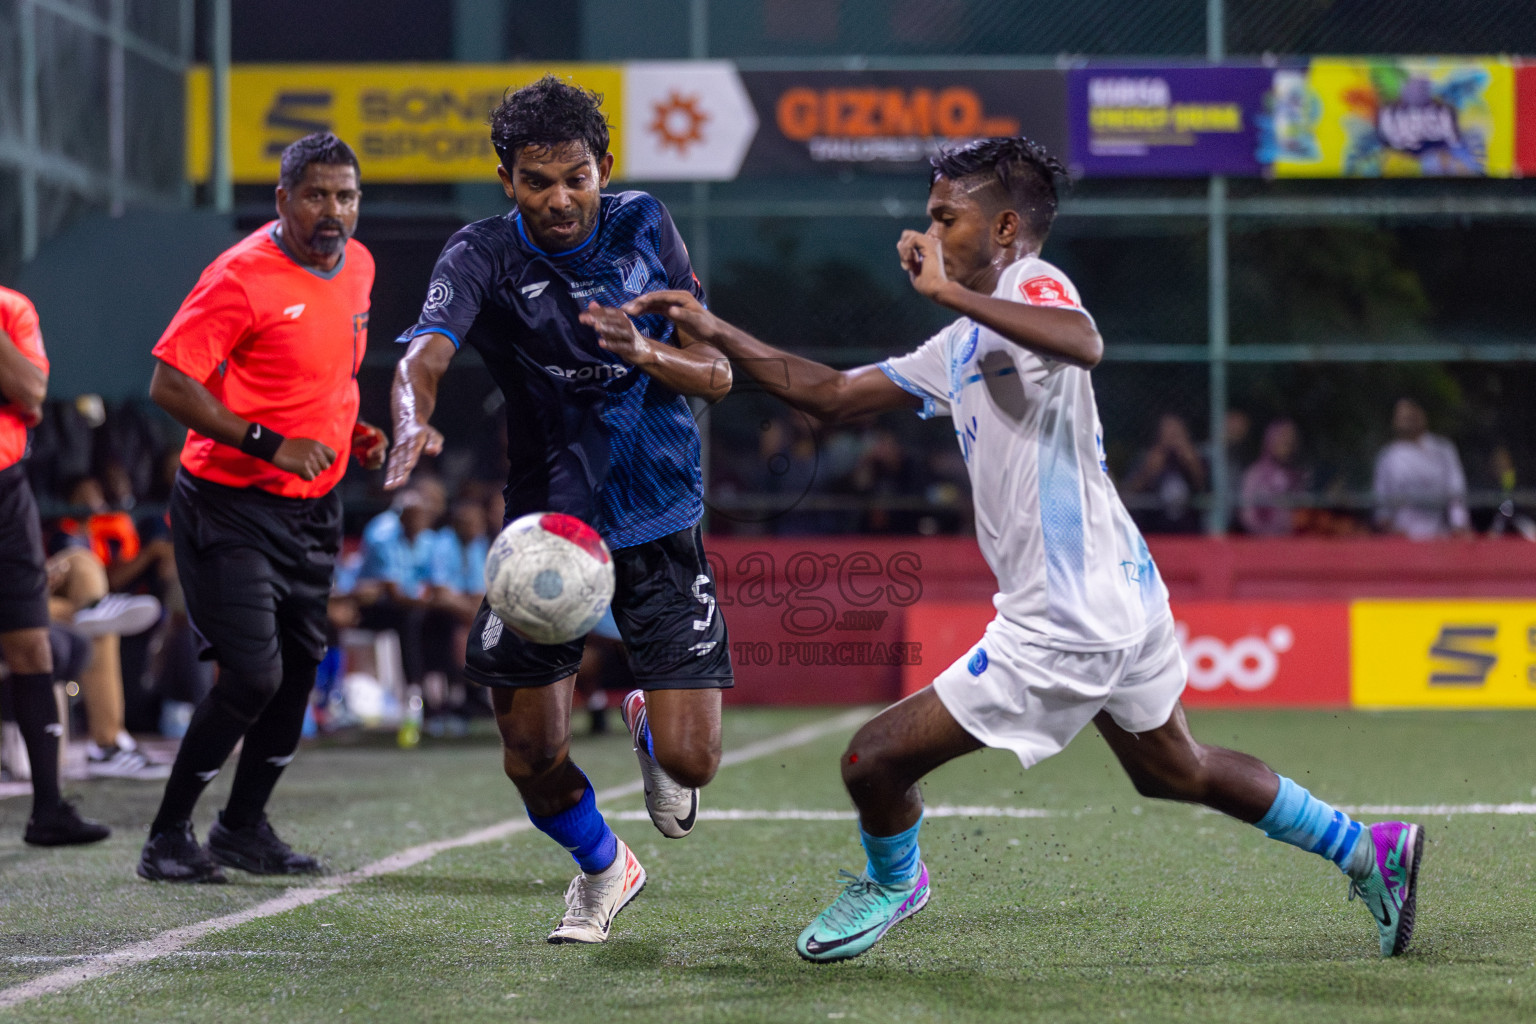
(262, 442)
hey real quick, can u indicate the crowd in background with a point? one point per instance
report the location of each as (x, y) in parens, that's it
(1419, 488)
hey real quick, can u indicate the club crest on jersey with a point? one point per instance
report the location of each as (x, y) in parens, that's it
(439, 294)
(533, 291)
(1046, 291)
(632, 268)
(978, 663)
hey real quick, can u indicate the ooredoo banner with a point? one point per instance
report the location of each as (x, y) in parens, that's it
(892, 121)
(1238, 653)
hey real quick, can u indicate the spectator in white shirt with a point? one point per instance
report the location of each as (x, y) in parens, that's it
(1421, 491)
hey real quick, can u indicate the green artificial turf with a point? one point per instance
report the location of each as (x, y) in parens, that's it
(1114, 908)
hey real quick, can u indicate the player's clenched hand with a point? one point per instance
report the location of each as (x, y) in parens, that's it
(922, 257)
(411, 440)
(617, 333)
(369, 445)
(303, 457)
(682, 308)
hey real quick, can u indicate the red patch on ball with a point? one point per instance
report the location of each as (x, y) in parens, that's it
(575, 531)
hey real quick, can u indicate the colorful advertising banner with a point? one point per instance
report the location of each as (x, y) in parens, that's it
(427, 122)
(1167, 121)
(1444, 654)
(1395, 117)
(705, 121)
(891, 121)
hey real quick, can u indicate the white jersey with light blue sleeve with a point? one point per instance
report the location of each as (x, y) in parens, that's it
(1073, 571)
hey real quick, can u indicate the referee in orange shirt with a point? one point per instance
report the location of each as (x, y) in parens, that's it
(260, 364)
(23, 579)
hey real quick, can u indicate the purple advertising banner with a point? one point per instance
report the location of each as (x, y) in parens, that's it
(1167, 122)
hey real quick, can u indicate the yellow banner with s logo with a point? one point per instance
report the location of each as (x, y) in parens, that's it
(407, 122)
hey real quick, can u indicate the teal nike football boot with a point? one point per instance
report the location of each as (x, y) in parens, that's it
(1390, 891)
(861, 914)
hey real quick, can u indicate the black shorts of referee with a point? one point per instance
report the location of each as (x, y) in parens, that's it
(256, 568)
(23, 578)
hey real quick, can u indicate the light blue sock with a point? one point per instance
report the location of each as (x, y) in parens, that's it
(893, 860)
(1301, 819)
(583, 833)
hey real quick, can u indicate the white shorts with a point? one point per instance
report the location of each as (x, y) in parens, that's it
(1019, 696)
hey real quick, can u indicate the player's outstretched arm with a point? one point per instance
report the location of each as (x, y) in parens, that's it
(831, 395)
(411, 400)
(23, 383)
(193, 406)
(1065, 335)
(694, 367)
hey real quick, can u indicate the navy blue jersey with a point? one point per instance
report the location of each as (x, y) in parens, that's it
(587, 434)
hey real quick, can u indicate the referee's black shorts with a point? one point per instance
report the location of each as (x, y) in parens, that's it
(256, 568)
(23, 578)
(664, 606)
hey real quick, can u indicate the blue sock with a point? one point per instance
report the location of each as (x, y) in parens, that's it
(1301, 819)
(583, 832)
(893, 860)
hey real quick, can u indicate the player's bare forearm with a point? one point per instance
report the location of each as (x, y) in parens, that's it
(696, 371)
(693, 367)
(412, 398)
(1065, 335)
(812, 387)
(21, 382)
(193, 406)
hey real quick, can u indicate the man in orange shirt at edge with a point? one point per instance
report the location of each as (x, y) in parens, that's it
(260, 364)
(24, 581)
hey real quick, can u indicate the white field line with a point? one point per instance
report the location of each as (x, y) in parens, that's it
(796, 814)
(969, 811)
(1431, 810)
(173, 941)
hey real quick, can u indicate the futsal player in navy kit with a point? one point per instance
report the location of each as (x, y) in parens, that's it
(598, 427)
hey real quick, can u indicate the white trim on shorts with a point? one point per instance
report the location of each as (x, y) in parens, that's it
(1015, 695)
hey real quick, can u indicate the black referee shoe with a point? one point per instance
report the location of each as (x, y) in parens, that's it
(257, 849)
(176, 856)
(63, 826)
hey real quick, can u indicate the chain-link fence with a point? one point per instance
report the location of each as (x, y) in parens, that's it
(90, 112)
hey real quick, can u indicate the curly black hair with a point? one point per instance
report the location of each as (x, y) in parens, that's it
(1025, 171)
(315, 148)
(549, 113)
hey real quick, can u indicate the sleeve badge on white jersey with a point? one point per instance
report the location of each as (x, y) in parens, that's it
(1047, 291)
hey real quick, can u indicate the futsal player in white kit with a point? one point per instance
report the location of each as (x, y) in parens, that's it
(1083, 631)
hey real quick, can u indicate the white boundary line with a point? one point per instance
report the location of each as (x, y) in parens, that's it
(173, 941)
(969, 811)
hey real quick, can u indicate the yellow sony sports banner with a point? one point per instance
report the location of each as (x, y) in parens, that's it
(1394, 117)
(407, 122)
(1444, 654)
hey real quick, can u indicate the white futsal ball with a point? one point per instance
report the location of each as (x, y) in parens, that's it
(549, 577)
